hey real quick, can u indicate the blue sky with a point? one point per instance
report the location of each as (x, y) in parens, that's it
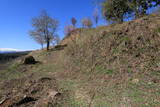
(16, 15)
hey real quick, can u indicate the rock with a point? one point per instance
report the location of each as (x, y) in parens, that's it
(52, 94)
(139, 38)
(49, 100)
(149, 83)
(103, 33)
(45, 79)
(135, 81)
(60, 47)
(156, 80)
(25, 100)
(2, 101)
(138, 55)
(29, 60)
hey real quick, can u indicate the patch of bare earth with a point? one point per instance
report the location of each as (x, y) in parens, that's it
(30, 92)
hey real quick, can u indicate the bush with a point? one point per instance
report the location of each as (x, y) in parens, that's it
(86, 22)
(68, 29)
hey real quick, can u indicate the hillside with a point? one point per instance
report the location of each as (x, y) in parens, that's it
(8, 57)
(108, 66)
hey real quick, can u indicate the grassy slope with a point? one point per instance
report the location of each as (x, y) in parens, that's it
(114, 66)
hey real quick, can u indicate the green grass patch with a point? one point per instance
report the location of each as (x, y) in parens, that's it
(157, 30)
(126, 38)
(13, 67)
(129, 70)
(11, 72)
(68, 84)
(101, 69)
(74, 103)
(103, 104)
(115, 50)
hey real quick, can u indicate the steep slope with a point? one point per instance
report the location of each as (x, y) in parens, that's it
(129, 45)
(108, 66)
(123, 60)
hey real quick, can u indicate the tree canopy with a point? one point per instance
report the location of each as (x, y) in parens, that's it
(116, 10)
(44, 27)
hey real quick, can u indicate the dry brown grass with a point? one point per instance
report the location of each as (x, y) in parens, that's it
(113, 58)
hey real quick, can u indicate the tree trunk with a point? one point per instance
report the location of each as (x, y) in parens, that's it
(137, 14)
(48, 44)
(120, 20)
(42, 46)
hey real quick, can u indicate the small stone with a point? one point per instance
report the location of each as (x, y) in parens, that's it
(156, 80)
(149, 83)
(135, 81)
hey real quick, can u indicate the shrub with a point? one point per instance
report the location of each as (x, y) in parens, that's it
(87, 23)
(68, 29)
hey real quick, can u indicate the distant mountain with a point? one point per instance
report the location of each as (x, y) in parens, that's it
(9, 50)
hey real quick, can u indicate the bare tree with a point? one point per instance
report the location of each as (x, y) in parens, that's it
(96, 16)
(87, 23)
(74, 21)
(45, 27)
(38, 38)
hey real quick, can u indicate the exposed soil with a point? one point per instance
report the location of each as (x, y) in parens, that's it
(29, 92)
